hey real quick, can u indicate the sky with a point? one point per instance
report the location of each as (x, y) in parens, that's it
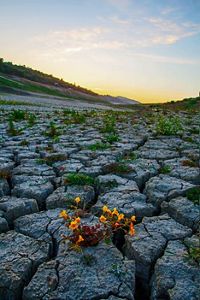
(148, 50)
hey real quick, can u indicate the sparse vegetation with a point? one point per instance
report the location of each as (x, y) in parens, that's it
(12, 130)
(109, 124)
(112, 138)
(118, 168)
(128, 157)
(165, 169)
(18, 115)
(24, 143)
(190, 163)
(52, 131)
(194, 195)
(79, 179)
(31, 119)
(168, 125)
(99, 146)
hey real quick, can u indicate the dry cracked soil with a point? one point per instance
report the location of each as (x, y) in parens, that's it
(131, 167)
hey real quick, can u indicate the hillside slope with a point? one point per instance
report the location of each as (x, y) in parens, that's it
(22, 80)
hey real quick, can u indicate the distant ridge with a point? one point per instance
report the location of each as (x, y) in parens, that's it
(23, 80)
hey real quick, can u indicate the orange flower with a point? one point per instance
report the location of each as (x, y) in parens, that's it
(133, 219)
(77, 200)
(77, 220)
(106, 209)
(115, 212)
(120, 217)
(131, 229)
(73, 225)
(63, 214)
(80, 239)
(102, 219)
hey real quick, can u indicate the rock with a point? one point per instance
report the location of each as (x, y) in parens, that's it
(3, 225)
(163, 188)
(73, 165)
(125, 197)
(180, 169)
(38, 189)
(174, 276)
(158, 154)
(32, 167)
(6, 164)
(98, 272)
(65, 195)
(13, 207)
(150, 240)
(183, 211)
(4, 187)
(143, 170)
(42, 226)
(19, 258)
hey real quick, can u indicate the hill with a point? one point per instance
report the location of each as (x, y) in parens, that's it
(23, 80)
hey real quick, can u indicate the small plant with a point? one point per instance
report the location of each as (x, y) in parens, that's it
(54, 158)
(128, 157)
(165, 169)
(79, 179)
(31, 118)
(109, 124)
(194, 195)
(189, 140)
(18, 115)
(4, 174)
(24, 143)
(12, 130)
(111, 138)
(118, 168)
(98, 146)
(168, 125)
(189, 163)
(194, 254)
(74, 117)
(88, 259)
(194, 130)
(116, 270)
(52, 131)
(83, 235)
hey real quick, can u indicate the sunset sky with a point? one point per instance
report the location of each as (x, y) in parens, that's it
(147, 50)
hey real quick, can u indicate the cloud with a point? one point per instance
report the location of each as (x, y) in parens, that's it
(168, 10)
(120, 4)
(169, 32)
(115, 33)
(166, 59)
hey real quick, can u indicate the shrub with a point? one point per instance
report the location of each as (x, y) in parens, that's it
(98, 146)
(168, 125)
(12, 130)
(118, 168)
(31, 118)
(79, 179)
(194, 195)
(165, 169)
(52, 130)
(18, 115)
(111, 138)
(109, 124)
(128, 157)
(24, 143)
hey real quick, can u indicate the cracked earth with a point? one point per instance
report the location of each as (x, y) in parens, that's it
(127, 174)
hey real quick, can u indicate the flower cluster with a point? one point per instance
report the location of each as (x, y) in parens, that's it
(83, 235)
(116, 220)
